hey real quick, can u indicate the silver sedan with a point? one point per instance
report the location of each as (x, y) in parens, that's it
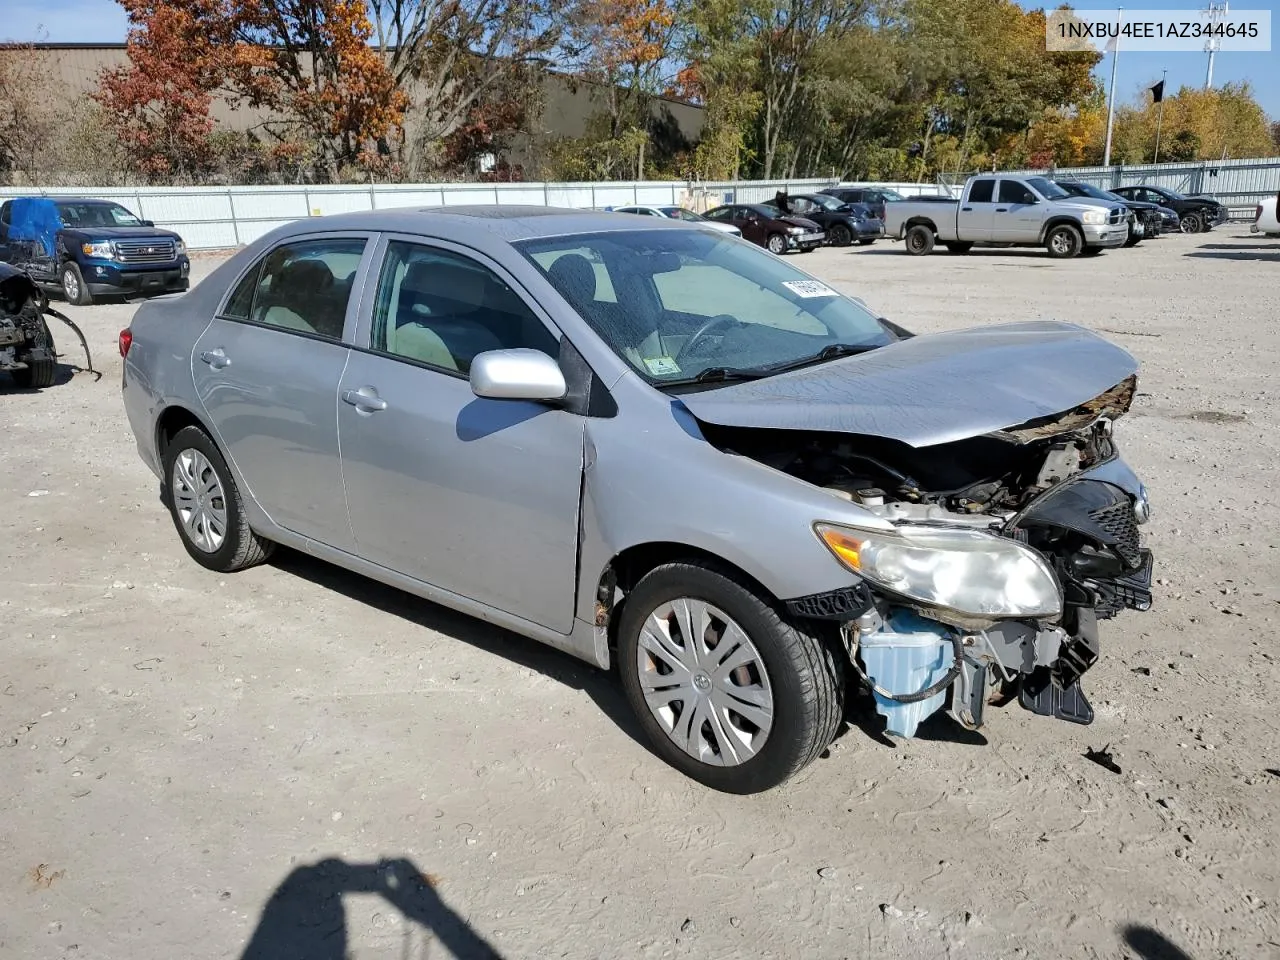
(652, 445)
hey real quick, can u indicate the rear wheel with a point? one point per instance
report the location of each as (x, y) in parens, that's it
(776, 243)
(1064, 242)
(919, 240)
(727, 690)
(74, 289)
(206, 506)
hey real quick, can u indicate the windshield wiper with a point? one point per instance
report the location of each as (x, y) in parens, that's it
(712, 374)
(830, 352)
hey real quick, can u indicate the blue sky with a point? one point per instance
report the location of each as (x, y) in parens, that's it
(101, 21)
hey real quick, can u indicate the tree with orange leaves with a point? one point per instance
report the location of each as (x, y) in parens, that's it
(309, 62)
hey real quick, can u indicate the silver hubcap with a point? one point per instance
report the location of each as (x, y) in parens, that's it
(199, 501)
(1061, 243)
(776, 244)
(71, 285)
(705, 682)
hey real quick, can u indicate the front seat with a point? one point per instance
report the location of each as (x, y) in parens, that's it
(575, 277)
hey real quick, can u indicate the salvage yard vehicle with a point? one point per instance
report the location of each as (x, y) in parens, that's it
(651, 445)
(1012, 211)
(27, 351)
(1146, 222)
(91, 248)
(843, 222)
(1195, 214)
(679, 213)
(1266, 217)
(874, 198)
(764, 224)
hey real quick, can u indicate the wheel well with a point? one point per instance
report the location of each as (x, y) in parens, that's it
(627, 569)
(1059, 221)
(171, 421)
(919, 222)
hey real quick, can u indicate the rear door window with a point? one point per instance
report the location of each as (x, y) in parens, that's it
(982, 191)
(303, 286)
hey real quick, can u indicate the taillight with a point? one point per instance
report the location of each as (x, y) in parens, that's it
(126, 341)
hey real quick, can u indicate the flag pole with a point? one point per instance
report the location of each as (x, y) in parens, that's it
(1160, 116)
(1111, 104)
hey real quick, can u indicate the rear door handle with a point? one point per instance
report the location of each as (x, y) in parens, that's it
(365, 399)
(1002, 209)
(216, 358)
(967, 209)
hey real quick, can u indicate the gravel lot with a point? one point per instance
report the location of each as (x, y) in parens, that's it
(200, 766)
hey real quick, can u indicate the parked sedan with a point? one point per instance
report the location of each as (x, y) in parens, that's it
(766, 225)
(679, 213)
(650, 445)
(843, 222)
(1195, 214)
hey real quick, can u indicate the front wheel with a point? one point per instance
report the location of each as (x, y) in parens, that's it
(74, 289)
(776, 243)
(919, 240)
(727, 690)
(1190, 223)
(42, 372)
(840, 235)
(1064, 242)
(206, 506)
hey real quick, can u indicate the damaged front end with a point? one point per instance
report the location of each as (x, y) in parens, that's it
(1007, 550)
(27, 351)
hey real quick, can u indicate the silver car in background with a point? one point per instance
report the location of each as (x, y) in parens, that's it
(678, 213)
(653, 446)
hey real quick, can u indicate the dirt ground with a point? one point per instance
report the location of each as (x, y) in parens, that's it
(201, 766)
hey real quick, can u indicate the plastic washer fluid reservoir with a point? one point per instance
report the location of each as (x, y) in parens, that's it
(907, 655)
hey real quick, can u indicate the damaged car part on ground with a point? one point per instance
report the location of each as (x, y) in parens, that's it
(27, 351)
(736, 484)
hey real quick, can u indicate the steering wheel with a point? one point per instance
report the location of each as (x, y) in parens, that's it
(720, 320)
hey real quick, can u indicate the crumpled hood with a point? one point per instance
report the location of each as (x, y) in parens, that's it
(798, 221)
(930, 389)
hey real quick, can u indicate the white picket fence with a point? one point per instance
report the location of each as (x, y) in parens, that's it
(219, 217)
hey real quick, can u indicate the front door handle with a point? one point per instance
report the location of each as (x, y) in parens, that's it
(365, 399)
(967, 209)
(1002, 209)
(216, 358)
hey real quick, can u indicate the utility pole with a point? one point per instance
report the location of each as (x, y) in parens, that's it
(1217, 12)
(1111, 103)
(1160, 115)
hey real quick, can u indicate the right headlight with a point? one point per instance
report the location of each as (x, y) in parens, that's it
(1094, 216)
(965, 571)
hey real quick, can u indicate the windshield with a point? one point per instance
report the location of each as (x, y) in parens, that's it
(680, 213)
(1047, 188)
(825, 201)
(1089, 190)
(1169, 194)
(677, 304)
(96, 215)
(891, 196)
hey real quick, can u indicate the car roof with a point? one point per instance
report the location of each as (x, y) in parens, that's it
(507, 222)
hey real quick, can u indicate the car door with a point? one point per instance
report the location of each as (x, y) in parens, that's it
(1017, 215)
(753, 226)
(476, 496)
(266, 370)
(973, 222)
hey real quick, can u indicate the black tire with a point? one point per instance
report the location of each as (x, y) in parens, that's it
(776, 244)
(959, 247)
(1191, 223)
(840, 235)
(865, 243)
(241, 547)
(38, 373)
(74, 289)
(805, 676)
(1064, 241)
(919, 240)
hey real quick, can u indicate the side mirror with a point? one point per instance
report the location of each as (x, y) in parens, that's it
(148, 223)
(517, 374)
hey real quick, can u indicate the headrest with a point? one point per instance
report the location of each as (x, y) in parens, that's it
(303, 277)
(574, 276)
(439, 279)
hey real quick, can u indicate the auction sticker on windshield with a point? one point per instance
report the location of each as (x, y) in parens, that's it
(809, 288)
(661, 366)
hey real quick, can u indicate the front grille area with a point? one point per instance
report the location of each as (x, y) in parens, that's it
(159, 250)
(1119, 523)
(1118, 215)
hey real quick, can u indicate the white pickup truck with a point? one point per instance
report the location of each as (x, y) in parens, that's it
(1007, 210)
(1266, 218)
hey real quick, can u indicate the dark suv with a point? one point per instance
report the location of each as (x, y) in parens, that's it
(91, 248)
(1195, 214)
(874, 198)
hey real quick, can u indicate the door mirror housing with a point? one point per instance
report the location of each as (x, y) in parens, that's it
(148, 223)
(517, 374)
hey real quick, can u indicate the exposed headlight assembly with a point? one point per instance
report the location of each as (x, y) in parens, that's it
(969, 572)
(102, 251)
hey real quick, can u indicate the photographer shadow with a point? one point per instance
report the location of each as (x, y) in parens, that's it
(305, 918)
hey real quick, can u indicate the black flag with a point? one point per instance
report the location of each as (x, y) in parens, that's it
(1157, 92)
